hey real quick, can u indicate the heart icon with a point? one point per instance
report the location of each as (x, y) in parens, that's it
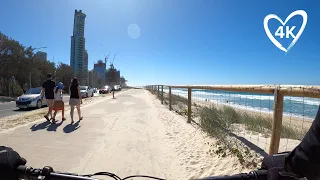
(273, 16)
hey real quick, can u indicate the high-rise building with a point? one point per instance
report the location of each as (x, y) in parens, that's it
(113, 75)
(78, 53)
(90, 76)
(99, 69)
(86, 67)
(41, 55)
(92, 79)
(123, 82)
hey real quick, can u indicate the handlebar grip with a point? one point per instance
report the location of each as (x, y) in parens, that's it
(28, 173)
(21, 172)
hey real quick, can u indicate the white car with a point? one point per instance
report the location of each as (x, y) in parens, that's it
(105, 90)
(117, 87)
(31, 98)
(86, 91)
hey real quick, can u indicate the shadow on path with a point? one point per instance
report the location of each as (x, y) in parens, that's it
(53, 127)
(252, 146)
(24, 109)
(71, 127)
(40, 126)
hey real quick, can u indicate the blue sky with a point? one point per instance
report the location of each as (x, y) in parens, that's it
(180, 42)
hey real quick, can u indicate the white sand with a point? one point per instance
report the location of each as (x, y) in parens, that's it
(262, 141)
(190, 147)
(144, 137)
(258, 139)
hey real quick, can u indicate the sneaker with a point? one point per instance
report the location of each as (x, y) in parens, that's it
(53, 121)
(47, 118)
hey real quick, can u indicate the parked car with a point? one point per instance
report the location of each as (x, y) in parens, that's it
(116, 88)
(31, 98)
(105, 90)
(86, 91)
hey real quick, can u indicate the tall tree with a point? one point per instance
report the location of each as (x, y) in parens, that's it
(20, 62)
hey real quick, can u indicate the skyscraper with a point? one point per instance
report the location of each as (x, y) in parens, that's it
(78, 52)
(99, 69)
(113, 75)
(41, 55)
(85, 71)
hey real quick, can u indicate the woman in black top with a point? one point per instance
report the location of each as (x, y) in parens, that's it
(75, 98)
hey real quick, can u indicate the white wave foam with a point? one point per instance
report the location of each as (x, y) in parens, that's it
(310, 101)
(209, 95)
(212, 97)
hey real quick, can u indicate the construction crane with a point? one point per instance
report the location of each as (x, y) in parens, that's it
(111, 64)
(106, 58)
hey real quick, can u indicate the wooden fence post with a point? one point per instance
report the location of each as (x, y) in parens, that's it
(277, 122)
(189, 105)
(170, 107)
(161, 94)
(158, 91)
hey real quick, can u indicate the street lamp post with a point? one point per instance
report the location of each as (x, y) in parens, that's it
(12, 83)
(33, 61)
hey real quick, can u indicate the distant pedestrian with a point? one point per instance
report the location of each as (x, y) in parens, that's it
(48, 92)
(113, 89)
(75, 98)
(58, 101)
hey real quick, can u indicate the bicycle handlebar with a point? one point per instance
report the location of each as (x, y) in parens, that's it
(29, 173)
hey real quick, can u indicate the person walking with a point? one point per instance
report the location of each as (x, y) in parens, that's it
(48, 92)
(58, 102)
(113, 89)
(75, 99)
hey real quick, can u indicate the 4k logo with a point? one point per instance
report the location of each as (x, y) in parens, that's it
(286, 32)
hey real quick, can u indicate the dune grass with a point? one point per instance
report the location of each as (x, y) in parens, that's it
(220, 118)
(225, 116)
(218, 121)
(214, 117)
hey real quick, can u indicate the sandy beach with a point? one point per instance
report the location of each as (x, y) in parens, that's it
(255, 140)
(194, 148)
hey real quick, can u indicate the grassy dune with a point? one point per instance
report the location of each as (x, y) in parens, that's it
(219, 120)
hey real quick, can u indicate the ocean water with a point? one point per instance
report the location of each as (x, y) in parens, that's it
(302, 107)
